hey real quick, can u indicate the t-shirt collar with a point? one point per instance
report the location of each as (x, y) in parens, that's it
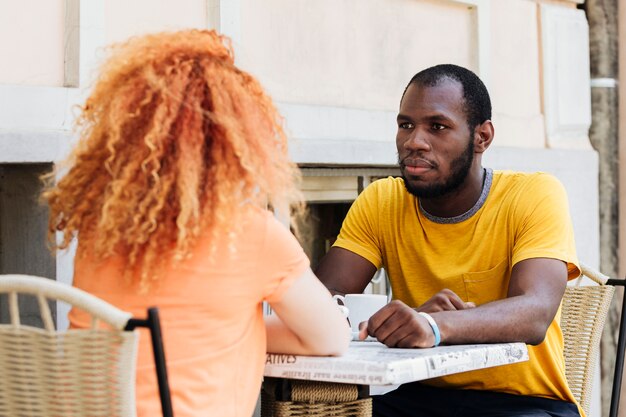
(469, 213)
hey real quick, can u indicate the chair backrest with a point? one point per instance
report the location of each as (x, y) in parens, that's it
(583, 313)
(78, 372)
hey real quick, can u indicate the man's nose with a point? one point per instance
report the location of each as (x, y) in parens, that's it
(417, 141)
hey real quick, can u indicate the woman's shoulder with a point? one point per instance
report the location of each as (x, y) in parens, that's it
(261, 223)
(254, 216)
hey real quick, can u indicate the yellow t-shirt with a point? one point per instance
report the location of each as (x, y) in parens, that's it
(211, 316)
(523, 216)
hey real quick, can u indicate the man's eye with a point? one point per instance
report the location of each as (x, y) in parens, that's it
(437, 126)
(405, 125)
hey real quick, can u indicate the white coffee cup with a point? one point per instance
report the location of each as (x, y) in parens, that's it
(361, 307)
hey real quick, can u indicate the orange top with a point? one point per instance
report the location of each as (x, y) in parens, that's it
(211, 317)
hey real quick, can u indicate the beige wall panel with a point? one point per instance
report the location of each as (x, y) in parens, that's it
(327, 189)
(515, 76)
(31, 42)
(125, 18)
(566, 77)
(329, 183)
(351, 53)
(328, 196)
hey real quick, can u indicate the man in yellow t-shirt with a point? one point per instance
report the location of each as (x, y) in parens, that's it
(473, 256)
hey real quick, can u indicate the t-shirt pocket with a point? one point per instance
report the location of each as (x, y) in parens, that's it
(490, 285)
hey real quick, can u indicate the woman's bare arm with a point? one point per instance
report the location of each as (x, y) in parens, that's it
(307, 321)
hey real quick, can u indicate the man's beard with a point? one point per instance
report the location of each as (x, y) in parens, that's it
(460, 168)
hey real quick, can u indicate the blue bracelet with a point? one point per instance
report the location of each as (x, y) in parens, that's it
(433, 325)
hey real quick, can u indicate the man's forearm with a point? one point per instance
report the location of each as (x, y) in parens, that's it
(536, 287)
(515, 319)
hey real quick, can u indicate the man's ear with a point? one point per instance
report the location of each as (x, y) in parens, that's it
(483, 136)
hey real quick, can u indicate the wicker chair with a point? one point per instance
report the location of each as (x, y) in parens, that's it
(74, 373)
(583, 314)
(293, 398)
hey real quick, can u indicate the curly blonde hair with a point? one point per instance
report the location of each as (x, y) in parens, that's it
(174, 140)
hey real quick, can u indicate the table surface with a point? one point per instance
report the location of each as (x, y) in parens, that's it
(372, 363)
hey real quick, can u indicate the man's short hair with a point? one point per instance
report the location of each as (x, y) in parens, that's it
(477, 101)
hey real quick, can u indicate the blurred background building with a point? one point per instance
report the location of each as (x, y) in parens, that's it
(337, 69)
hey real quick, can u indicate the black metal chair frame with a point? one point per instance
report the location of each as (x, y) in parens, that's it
(621, 347)
(153, 324)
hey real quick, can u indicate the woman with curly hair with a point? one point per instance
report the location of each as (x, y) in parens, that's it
(180, 154)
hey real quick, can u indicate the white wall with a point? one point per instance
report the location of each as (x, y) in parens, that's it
(515, 75)
(347, 53)
(31, 42)
(124, 18)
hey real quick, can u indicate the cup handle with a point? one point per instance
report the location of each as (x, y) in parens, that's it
(341, 298)
(342, 307)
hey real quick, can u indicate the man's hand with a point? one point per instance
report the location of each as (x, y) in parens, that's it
(444, 300)
(398, 325)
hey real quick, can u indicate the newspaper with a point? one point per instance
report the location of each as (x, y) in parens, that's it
(372, 363)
